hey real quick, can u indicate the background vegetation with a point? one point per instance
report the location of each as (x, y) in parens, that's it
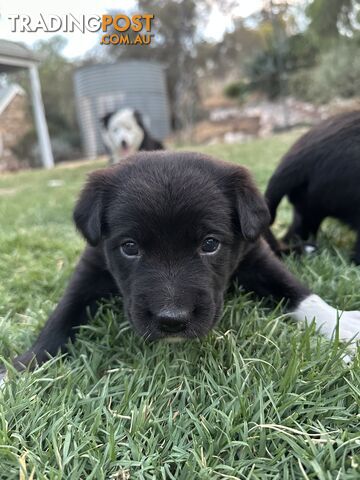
(307, 49)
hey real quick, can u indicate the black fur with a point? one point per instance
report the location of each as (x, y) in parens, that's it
(321, 177)
(149, 143)
(106, 119)
(168, 203)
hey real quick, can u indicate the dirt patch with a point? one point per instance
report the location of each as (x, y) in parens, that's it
(210, 131)
(80, 163)
(8, 191)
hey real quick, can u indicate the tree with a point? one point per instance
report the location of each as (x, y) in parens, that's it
(56, 75)
(175, 46)
(331, 19)
(286, 48)
(266, 69)
(230, 55)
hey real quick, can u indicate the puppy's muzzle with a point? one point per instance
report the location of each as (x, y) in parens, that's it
(158, 311)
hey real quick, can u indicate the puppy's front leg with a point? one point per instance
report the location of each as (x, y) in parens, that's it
(89, 283)
(262, 272)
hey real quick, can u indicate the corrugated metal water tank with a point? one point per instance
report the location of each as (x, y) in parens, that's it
(104, 88)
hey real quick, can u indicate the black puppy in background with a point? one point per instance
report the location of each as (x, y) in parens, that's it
(320, 175)
(168, 232)
(124, 132)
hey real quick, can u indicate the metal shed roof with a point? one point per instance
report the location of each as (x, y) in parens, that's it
(15, 55)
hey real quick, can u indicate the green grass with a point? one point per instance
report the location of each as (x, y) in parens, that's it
(256, 399)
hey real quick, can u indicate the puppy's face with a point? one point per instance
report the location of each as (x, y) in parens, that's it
(173, 228)
(124, 132)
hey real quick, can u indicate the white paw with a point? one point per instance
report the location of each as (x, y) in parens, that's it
(327, 317)
(349, 326)
(310, 248)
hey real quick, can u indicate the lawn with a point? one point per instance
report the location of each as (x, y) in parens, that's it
(256, 399)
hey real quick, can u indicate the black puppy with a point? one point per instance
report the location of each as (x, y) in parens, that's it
(124, 132)
(168, 232)
(321, 177)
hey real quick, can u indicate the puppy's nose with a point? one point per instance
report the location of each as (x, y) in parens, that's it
(173, 320)
(123, 144)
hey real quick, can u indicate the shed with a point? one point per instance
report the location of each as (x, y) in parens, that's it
(104, 88)
(15, 56)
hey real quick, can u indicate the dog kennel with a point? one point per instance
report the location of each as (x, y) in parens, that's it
(104, 88)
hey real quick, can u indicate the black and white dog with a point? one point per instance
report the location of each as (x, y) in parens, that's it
(320, 175)
(168, 232)
(124, 132)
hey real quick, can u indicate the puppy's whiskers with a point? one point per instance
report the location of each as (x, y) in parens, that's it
(146, 335)
(192, 330)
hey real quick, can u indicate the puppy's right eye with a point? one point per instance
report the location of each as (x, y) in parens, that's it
(130, 248)
(210, 245)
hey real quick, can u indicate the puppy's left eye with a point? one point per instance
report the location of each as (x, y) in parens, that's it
(130, 248)
(210, 245)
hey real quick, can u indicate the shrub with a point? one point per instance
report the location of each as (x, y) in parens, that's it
(236, 90)
(337, 75)
(63, 148)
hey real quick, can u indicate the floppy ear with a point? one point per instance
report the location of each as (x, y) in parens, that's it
(106, 119)
(254, 216)
(139, 119)
(89, 210)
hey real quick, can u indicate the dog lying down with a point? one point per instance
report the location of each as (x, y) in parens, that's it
(124, 132)
(168, 232)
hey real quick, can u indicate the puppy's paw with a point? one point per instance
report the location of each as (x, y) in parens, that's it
(310, 248)
(298, 248)
(349, 327)
(327, 318)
